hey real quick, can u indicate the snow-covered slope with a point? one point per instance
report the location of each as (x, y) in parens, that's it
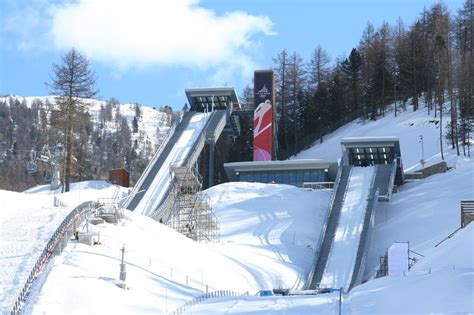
(408, 126)
(151, 123)
(268, 237)
(447, 289)
(268, 234)
(422, 212)
(27, 221)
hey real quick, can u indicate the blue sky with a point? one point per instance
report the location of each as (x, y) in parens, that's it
(149, 51)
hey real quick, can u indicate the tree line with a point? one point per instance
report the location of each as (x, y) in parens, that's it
(428, 62)
(91, 145)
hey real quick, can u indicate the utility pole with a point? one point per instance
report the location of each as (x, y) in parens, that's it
(123, 273)
(340, 300)
(422, 161)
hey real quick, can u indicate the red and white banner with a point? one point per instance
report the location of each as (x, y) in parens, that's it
(262, 132)
(264, 115)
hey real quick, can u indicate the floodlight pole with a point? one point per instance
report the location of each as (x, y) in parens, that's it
(422, 151)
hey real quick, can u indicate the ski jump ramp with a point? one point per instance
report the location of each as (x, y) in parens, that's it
(154, 186)
(342, 257)
(210, 109)
(345, 237)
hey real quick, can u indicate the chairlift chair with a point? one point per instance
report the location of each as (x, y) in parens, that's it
(31, 168)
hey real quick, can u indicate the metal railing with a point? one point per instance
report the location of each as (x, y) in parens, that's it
(323, 230)
(199, 143)
(448, 237)
(467, 212)
(75, 215)
(152, 162)
(391, 182)
(204, 297)
(163, 211)
(328, 186)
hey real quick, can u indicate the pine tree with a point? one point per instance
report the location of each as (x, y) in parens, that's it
(71, 82)
(351, 67)
(296, 87)
(318, 68)
(281, 70)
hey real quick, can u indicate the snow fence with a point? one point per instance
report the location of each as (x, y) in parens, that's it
(56, 244)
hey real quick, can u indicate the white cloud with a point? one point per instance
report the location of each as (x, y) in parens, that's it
(139, 33)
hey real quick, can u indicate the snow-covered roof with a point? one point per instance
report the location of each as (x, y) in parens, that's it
(203, 95)
(369, 139)
(280, 165)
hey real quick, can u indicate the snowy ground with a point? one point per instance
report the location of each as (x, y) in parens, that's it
(27, 221)
(268, 233)
(447, 289)
(267, 240)
(422, 212)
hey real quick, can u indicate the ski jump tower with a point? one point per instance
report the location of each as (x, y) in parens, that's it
(168, 188)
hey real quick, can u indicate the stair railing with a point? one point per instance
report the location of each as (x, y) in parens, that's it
(391, 182)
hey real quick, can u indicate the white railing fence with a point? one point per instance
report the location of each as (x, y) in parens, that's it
(204, 297)
(326, 186)
(55, 243)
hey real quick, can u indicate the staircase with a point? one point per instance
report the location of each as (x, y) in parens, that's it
(330, 228)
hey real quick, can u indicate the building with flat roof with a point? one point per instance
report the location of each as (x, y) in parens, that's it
(365, 151)
(291, 172)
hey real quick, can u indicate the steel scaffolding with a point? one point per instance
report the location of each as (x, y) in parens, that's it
(192, 214)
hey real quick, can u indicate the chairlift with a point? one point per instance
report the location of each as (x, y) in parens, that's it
(45, 155)
(31, 168)
(47, 178)
(32, 156)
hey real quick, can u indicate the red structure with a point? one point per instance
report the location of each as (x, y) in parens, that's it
(264, 115)
(120, 177)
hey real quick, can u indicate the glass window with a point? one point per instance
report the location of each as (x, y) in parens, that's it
(256, 177)
(299, 178)
(271, 177)
(278, 177)
(292, 178)
(307, 176)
